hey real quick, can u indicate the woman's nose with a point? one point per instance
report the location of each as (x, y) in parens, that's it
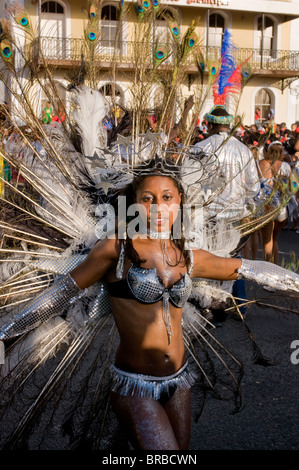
(160, 202)
(158, 205)
(155, 208)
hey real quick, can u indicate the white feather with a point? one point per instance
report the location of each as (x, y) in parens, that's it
(38, 345)
(92, 108)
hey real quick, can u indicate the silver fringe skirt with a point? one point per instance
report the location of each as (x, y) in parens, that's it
(129, 384)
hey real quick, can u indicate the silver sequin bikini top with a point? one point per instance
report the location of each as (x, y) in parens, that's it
(147, 287)
(144, 285)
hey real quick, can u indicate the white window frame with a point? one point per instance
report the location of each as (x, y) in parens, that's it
(66, 21)
(276, 36)
(227, 21)
(110, 49)
(273, 100)
(118, 98)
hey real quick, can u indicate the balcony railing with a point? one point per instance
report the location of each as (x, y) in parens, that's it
(69, 50)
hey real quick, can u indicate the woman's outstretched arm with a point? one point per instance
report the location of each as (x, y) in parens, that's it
(57, 298)
(209, 266)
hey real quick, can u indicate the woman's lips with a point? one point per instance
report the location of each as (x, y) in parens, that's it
(160, 221)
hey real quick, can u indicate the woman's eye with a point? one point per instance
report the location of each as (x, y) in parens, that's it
(167, 197)
(147, 199)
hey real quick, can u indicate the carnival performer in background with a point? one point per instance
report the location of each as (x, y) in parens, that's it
(237, 180)
(47, 113)
(235, 183)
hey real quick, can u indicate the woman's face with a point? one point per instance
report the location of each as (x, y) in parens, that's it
(161, 199)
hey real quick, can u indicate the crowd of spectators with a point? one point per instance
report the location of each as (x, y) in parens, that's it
(10, 132)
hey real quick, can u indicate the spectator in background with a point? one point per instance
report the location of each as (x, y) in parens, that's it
(257, 117)
(295, 129)
(239, 126)
(152, 122)
(60, 117)
(272, 125)
(283, 128)
(197, 136)
(272, 169)
(7, 173)
(204, 127)
(47, 113)
(291, 146)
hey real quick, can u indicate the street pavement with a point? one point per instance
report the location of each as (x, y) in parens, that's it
(269, 418)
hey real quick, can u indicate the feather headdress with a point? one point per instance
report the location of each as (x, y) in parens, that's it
(231, 75)
(229, 78)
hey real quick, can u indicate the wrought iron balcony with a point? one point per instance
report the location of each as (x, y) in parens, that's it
(68, 52)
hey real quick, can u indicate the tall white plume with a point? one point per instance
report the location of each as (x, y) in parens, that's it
(89, 115)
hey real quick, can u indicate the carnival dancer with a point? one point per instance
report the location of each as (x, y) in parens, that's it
(274, 172)
(149, 278)
(93, 310)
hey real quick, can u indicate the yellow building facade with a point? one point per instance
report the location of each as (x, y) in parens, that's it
(264, 32)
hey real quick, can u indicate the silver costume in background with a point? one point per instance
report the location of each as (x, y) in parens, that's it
(235, 179)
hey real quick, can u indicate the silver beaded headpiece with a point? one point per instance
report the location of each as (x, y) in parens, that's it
(148, 155)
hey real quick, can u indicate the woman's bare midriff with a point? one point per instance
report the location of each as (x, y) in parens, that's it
(144, 346)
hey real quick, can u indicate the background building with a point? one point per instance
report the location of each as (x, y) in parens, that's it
(264, 32)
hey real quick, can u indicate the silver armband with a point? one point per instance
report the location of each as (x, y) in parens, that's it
(269, 274)
(49, 303)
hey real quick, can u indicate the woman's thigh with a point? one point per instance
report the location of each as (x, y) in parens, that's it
(178, 409)
(267, 233)
(278, 226)
(267, 240)
(151, 425)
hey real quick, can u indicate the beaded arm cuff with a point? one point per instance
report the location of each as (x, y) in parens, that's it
(49, 303)
(269, 274)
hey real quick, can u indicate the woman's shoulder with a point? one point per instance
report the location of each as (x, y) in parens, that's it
(109, 247)
(265, 168)
(263, 163)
